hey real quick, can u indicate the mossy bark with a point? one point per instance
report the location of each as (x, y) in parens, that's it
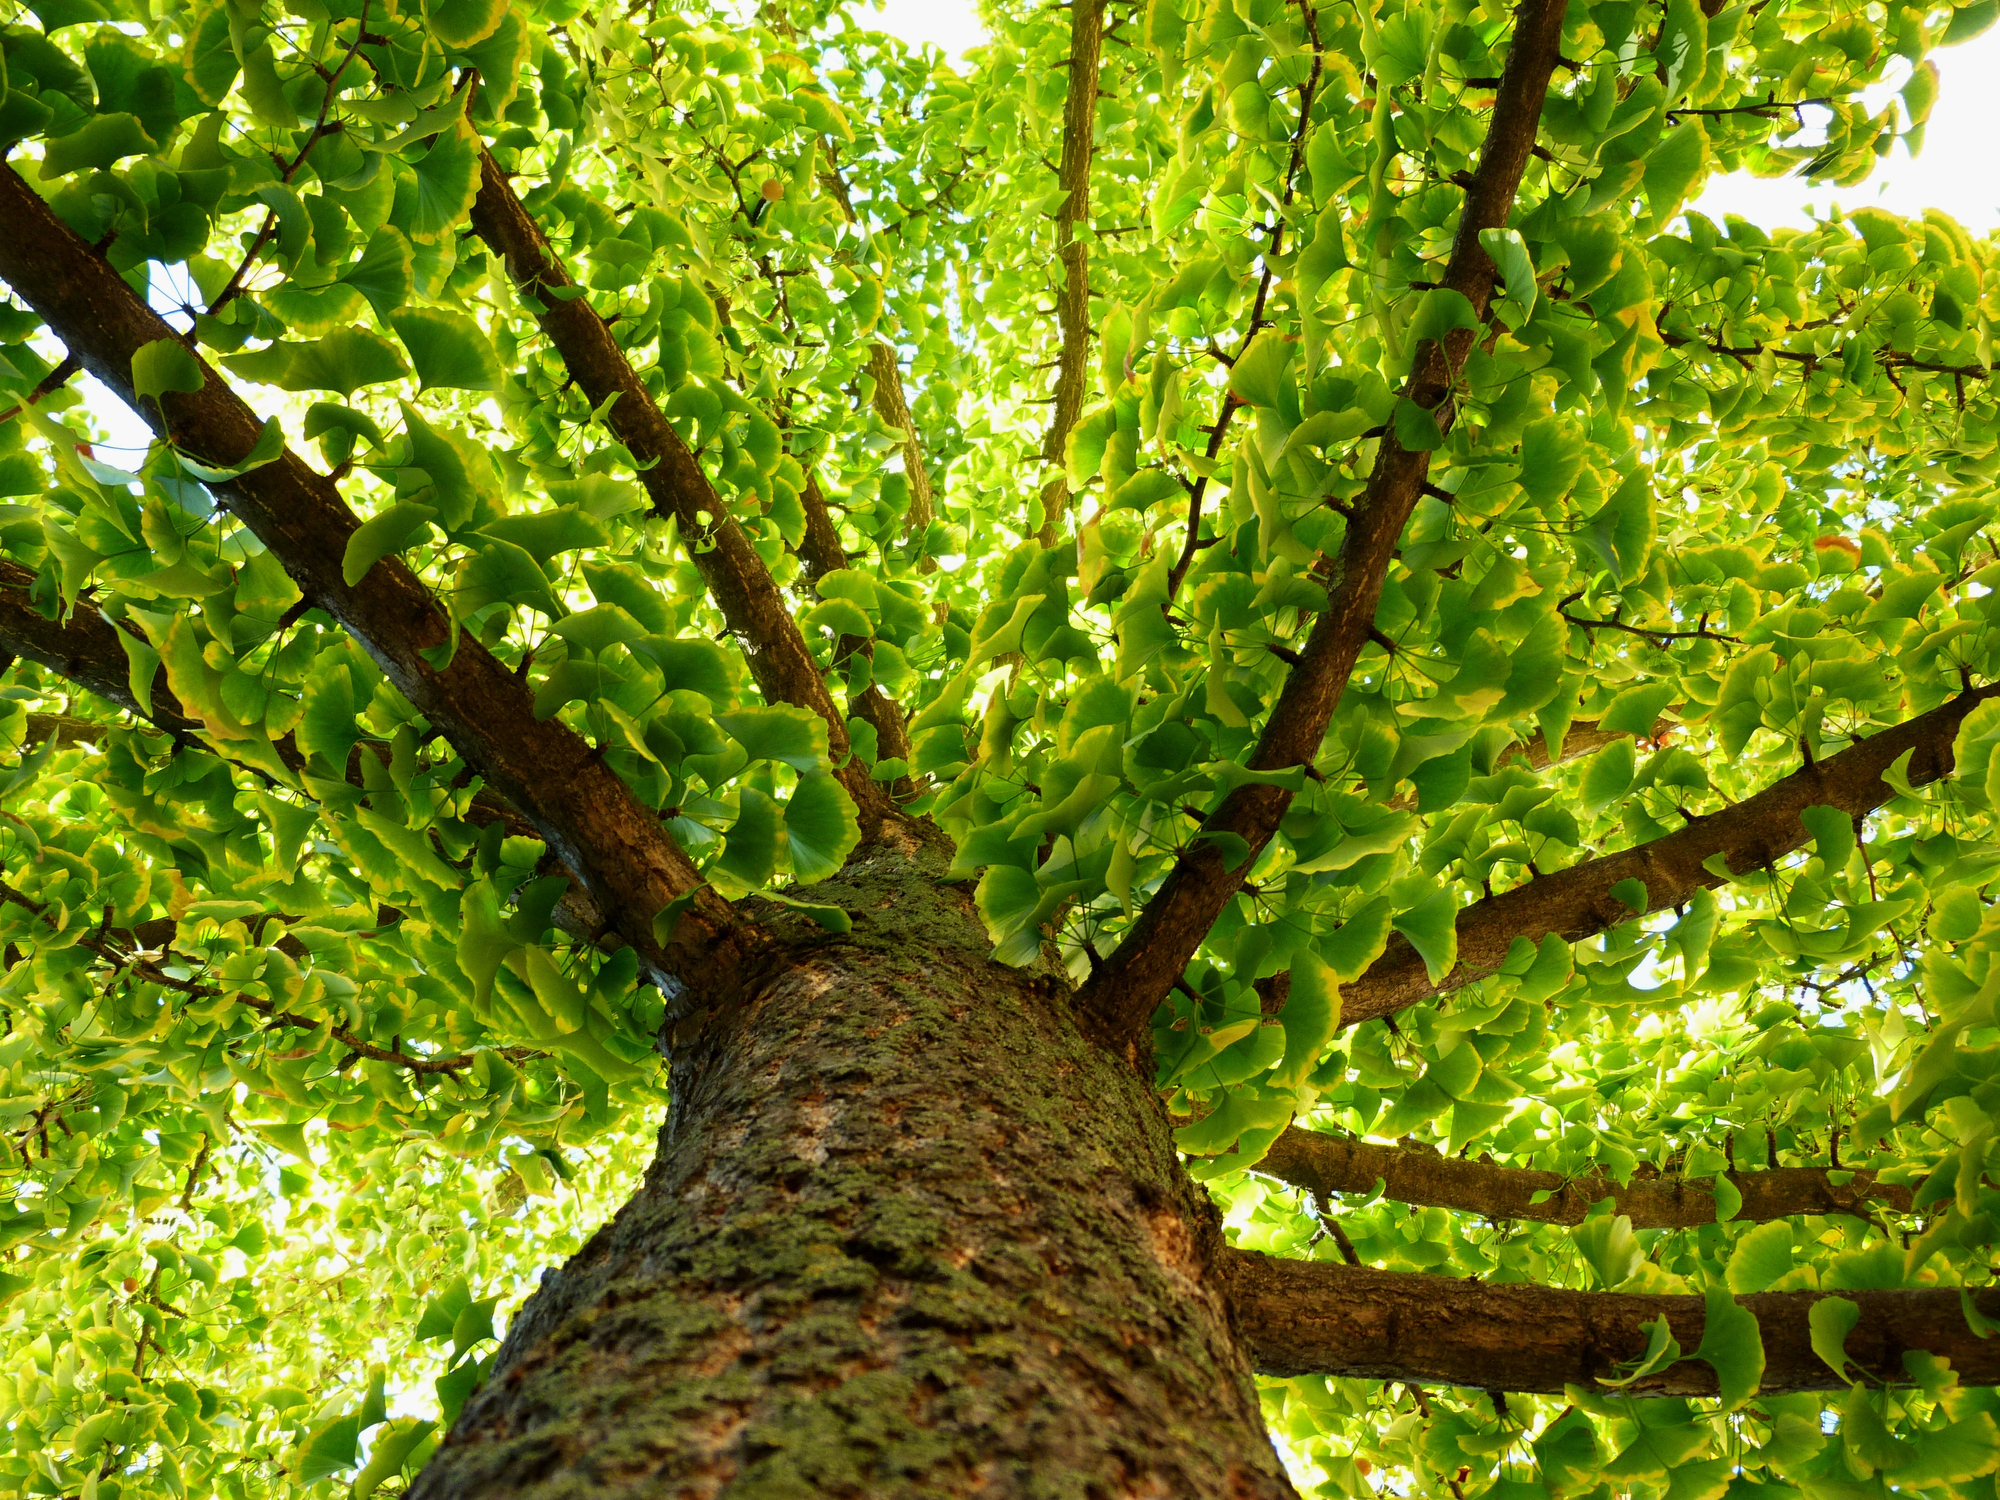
(908, 1234)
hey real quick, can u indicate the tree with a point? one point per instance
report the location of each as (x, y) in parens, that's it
(1234, 737)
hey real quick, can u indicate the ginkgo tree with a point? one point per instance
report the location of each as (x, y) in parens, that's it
(1273, 782)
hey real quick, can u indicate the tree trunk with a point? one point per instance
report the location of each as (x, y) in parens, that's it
(907, 1234)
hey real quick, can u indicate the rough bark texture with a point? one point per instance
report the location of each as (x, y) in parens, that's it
(1324, 1164)
(908, 1233)
(1577, 903)
(1159, 943)
(610, 842)
(737, 580)
(1316, 1318)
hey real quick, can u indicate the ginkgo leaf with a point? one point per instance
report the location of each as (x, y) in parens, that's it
(447, 348)
(383, 272)
(447, 180)
(345, 361)
(821, 827)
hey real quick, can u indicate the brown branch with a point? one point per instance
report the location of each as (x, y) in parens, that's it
(893, 407)
(1321, 1318)
(1086, 46)
(1119, 1002)
(1323, 1164)
(613, 846)
(741, 586)
(1577, 903)
(50, 383)
(84, 648)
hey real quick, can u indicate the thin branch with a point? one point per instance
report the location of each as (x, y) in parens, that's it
(1119, 1003)
(1577, 903)
(738, 581)
(1086, 46)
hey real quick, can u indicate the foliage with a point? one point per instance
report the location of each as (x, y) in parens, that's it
(309, 1056)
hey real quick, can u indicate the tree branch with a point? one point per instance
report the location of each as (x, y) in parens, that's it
(1086, 47)
(1321, 1318)
(1120, 1000)
(741, 586)
(893, 407)
(1324, 1164)
(84, 648)
(610, 842)
(1577, 903)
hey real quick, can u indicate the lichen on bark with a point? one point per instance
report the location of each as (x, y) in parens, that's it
(907, 1233)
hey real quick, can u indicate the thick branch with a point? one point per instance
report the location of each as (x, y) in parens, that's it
(1086, 47)
(1320, 1318)
(83, 648)
(1577, 903)
(611, 843)
(1324, 1164)
(739, 583)
(1121, 999)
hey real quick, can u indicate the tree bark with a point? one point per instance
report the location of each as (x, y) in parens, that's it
(1324, 1164)
(1317, 1318)
(908, 1234)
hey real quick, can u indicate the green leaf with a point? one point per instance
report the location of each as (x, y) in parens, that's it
(95, 145)
(780, 732)
(447, 180)
(1261, 375)
(1610, 1248)
(547, 533)
(1731, 1342)
(1833, 835)
(1415, 427)
(1311, 1016)
(821, 827)
(1760, 1257)
(448, 349)
(388, 531)
(164, 365)
(750, 855)
(598, 629)
(1442, 312)
(1661, 1350)
(383, 274)
(461, 23)
(1637, 709)
(1831, 1320)
(1517, 267)
(345, 360)
(501, 572)
(1607, 775)
(390, 1452)
(331, 1450)
(1432, 928)
(1621, 532)
(209, 58)
(1358, 941)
